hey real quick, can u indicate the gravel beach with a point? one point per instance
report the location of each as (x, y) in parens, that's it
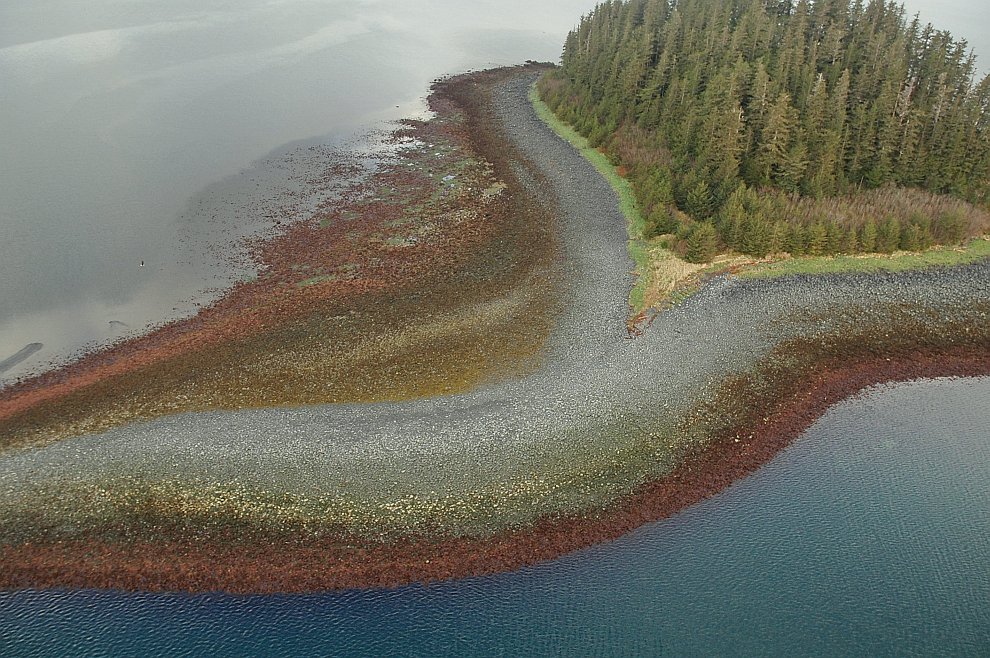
(600, 416)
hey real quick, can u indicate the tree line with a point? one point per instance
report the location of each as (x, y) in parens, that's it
(740, 122)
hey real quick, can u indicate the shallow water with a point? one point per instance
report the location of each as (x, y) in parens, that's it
(867, 536)
(142, 137)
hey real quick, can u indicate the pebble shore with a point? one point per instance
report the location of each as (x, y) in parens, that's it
(590, 443)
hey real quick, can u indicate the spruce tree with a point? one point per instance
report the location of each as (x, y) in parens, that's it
(820, 98)
(868, 236)
(702, 243)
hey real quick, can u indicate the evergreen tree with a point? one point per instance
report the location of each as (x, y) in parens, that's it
(698, 203)
(797, 241)
(834, 236)
(816, 239)
(775, 140)
(911, 238)
(888, 235)
(821, 98)
(850, 242)
(702, 243)
(868, 236)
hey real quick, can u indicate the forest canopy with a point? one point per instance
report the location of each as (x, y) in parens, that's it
(778, 126)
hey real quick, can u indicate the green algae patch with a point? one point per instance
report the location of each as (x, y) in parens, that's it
(975, 250)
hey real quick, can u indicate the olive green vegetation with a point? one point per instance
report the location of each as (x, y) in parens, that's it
(762, 127)
(975, 250)
(627, 197)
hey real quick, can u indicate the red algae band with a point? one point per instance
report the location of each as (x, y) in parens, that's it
(311, 567)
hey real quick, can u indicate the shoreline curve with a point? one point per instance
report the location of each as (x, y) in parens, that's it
(730, 377)
(315, 567)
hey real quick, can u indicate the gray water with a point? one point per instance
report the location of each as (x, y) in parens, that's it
(162, 131)
(868, 536)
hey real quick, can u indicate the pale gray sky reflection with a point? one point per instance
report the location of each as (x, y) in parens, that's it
(117, 114)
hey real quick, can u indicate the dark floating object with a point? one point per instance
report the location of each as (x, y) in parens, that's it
(118, 323)
(24, 353)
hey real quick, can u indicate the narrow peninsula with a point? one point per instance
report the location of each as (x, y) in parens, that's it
(491, 354)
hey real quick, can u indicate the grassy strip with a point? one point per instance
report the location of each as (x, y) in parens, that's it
(638, 249)
(975, 250)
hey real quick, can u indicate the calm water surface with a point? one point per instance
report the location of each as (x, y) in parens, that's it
(158, 131)
(867, 537)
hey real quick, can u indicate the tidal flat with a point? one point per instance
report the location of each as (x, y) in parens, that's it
(440, 381)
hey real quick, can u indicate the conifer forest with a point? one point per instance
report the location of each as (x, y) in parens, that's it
(770, 126)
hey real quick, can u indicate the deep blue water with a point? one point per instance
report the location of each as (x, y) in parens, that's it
(869, 536)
